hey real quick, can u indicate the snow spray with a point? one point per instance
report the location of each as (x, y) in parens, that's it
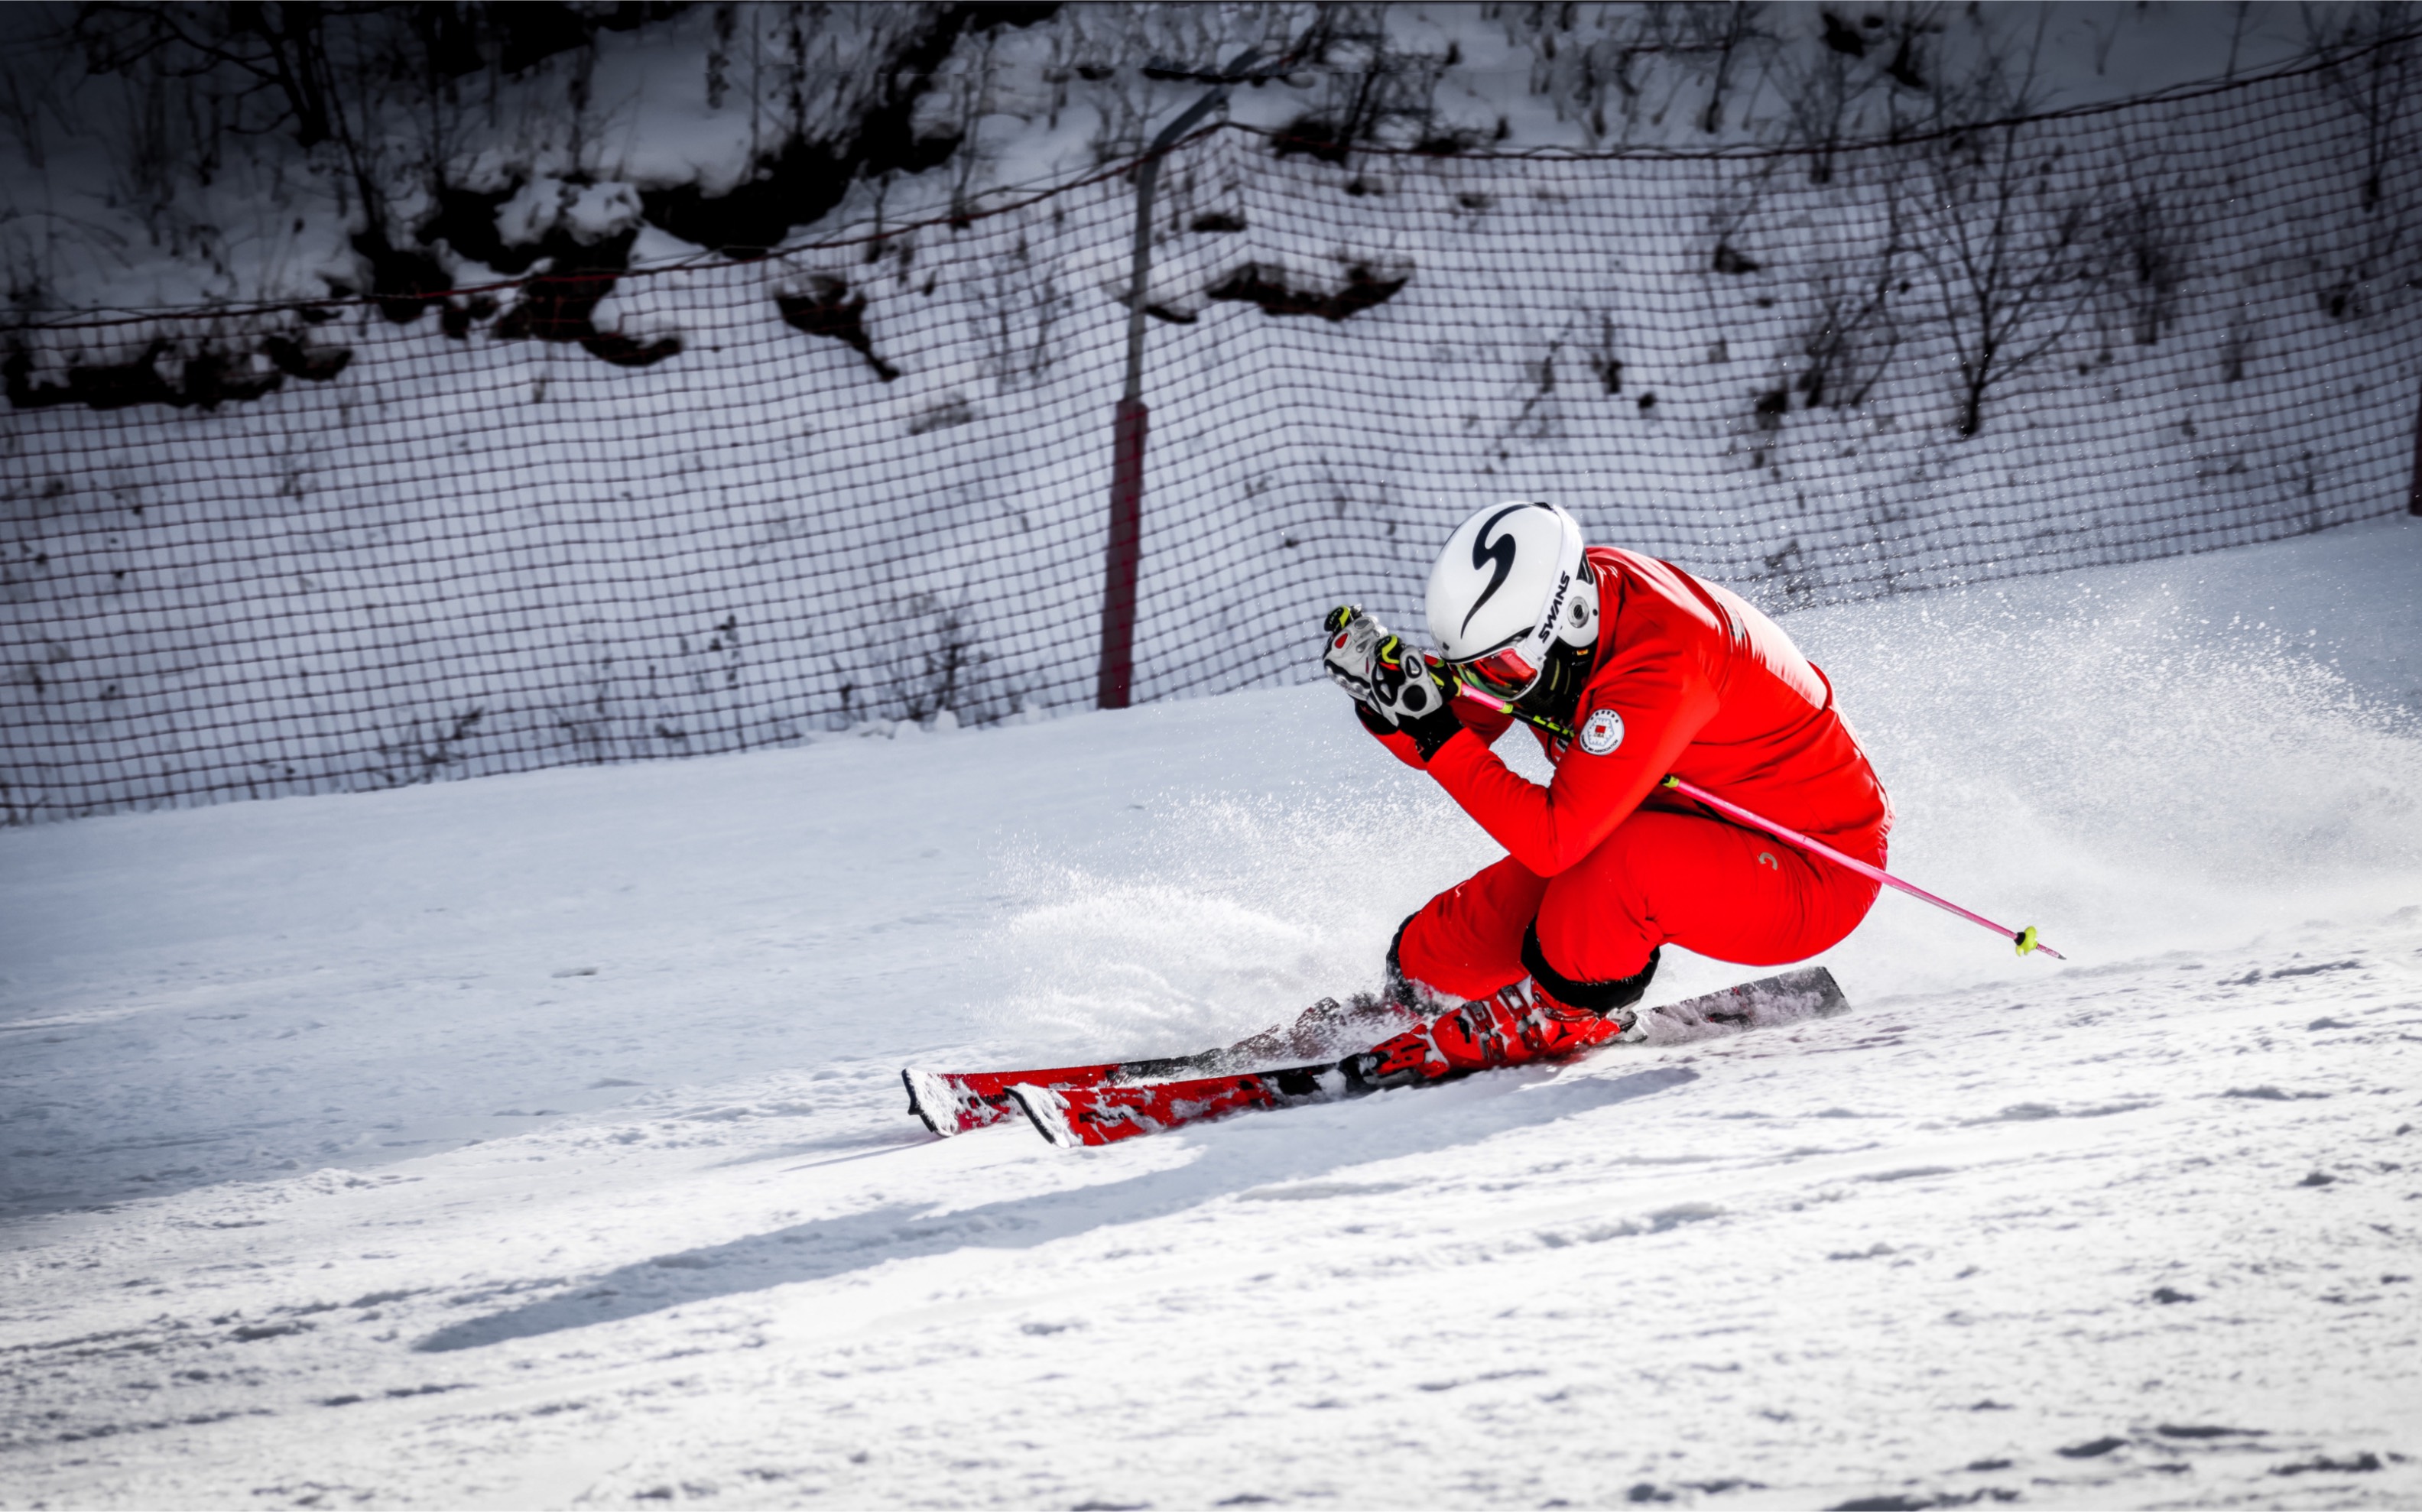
(2023, 938)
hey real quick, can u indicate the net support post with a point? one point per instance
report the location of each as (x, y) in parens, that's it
(1125, 553)
(1117, 678)
(2413, 491)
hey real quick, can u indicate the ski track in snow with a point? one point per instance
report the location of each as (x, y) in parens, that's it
(538, 1139)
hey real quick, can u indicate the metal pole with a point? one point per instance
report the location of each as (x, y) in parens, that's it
(1117, 678)
(1125, 552)
(2413, 497)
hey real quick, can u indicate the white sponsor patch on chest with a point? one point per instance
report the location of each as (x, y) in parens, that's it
(1600, 733)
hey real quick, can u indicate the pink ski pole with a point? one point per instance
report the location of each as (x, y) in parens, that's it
(2023, 938)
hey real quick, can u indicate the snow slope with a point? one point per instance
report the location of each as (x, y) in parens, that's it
(872, 480)
(466, 556)
(106, 217)
(537, 1140)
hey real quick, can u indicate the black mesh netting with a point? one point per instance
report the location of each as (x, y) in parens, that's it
(734, 505)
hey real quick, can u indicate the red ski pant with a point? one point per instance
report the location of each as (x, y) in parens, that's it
(1712, 888)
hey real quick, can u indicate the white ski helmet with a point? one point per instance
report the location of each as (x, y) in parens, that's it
(1509, 585)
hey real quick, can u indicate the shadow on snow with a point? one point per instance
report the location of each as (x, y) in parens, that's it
(1248, 1153)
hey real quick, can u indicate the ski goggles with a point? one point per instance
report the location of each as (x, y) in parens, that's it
(1504, 671)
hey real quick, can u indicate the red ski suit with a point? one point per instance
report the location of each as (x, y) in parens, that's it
(1608, 864)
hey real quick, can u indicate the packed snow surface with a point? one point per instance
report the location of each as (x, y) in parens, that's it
(539, 1140)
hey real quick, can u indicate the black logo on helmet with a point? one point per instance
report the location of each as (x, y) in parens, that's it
(1547, 622)
(1485, 551)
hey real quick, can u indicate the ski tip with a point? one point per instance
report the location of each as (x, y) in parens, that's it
(929, 1098)
(1048, 1111)
(1809, 992)
(1829, 1002)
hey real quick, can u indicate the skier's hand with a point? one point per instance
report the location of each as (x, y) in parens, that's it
(1404, 697)
(1350, 656)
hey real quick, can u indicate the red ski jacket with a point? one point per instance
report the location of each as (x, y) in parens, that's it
(1690, 680)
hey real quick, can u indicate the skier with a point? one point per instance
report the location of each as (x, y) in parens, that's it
(1639, 669)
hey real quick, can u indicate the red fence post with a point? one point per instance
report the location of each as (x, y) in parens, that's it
(2413, 496)
(1126, 551)
(1126, 462)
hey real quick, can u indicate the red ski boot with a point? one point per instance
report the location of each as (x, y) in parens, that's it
(1512, 1027)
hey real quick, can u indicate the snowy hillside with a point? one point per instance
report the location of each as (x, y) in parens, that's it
(538, 1140)
(742, 504)
(141, 171)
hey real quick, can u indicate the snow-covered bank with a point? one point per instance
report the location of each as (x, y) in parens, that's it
(2157, 1208)
(693, 109)
(724, 505)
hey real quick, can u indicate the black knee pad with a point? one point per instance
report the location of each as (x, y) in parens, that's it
(1600, 998)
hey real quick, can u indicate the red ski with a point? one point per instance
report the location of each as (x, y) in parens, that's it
(1104, 1104)
(1105, 1114)
(954, 1102)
